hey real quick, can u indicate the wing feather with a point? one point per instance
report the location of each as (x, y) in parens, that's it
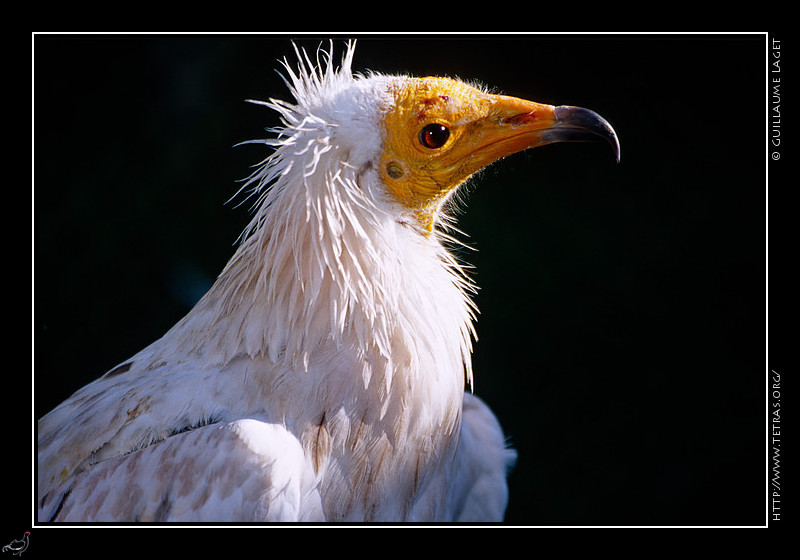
(482, 463)
(241, 471)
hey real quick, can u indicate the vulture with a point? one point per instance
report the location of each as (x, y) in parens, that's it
(326, 375)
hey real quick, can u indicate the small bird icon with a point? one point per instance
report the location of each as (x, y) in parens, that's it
(18, 546)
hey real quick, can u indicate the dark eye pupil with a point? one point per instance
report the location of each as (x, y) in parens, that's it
(434, 135)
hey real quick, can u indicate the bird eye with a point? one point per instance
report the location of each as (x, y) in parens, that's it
(434, 135)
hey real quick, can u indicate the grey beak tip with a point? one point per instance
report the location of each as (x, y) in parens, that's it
(579, 124)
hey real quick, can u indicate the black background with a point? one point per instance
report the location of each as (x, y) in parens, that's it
(622, 334)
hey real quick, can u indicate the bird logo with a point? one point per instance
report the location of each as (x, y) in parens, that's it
(18, 546)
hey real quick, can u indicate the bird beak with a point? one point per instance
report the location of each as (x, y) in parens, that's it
(516, 124)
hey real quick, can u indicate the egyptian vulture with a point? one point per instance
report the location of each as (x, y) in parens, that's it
(322, 377)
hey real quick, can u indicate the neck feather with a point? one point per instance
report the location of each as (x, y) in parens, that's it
(323, 264)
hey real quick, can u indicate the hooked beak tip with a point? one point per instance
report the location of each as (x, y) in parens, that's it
(577, 124)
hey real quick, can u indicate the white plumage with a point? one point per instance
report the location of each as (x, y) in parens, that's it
(322, 377)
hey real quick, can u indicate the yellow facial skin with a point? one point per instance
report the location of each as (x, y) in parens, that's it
(480, 129)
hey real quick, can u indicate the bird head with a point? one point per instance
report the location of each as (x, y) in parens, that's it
(439, 131)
